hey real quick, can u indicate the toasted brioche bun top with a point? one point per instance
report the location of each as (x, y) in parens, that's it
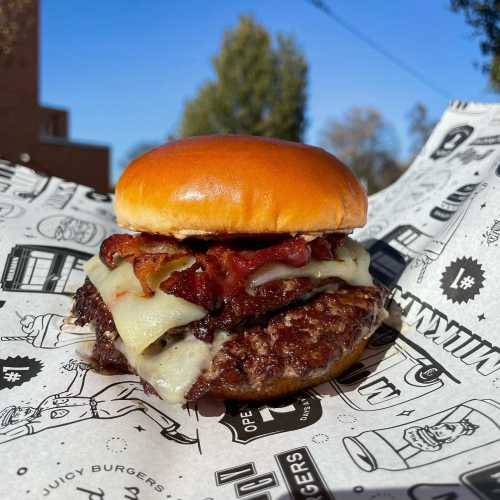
(231, 184)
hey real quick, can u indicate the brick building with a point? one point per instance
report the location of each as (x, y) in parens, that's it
(30, 133)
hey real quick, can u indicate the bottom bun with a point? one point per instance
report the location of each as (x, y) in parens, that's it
(283, 386)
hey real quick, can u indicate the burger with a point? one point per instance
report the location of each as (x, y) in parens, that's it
(237, 278)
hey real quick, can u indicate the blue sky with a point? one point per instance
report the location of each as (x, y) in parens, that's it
(124, 68)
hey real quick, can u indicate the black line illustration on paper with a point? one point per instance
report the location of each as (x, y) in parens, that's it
(462, 280)
(73, 229)
(21, 182)
(71, 406)
(16, 370)
(50, 331)
(391, 371)
(483, 481)
(454, 339)
(449, 206)
(10, 210)
(254, 420)
(435, 438)
(418, 187)
(435, 491)
(407, 245)
(44, 269)
(414, 246)
(491, 235)
(470, 155)
(62, 194)
(489, 140)
(94, 195)
(451, 141)
(298, 464)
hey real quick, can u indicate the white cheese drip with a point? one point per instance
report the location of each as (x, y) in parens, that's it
(173, 369)
(351, 265)
(139, 320)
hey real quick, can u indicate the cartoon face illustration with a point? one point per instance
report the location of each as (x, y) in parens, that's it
(447, 432)
(15, 414)
(67, 228)
(433, 437)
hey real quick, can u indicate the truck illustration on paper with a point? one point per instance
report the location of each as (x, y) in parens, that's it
(44, 269)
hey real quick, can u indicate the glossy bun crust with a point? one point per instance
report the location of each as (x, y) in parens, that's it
(230, 184)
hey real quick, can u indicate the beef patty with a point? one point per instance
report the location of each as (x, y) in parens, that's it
(296, 345)
(282, 330)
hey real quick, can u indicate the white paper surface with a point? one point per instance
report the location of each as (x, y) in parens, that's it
(418, 417)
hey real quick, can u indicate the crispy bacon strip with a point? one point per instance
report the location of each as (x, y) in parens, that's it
(150, 265)
(117, 245)
(235, 267)
(193, 286)
(126, 246)
(324, 247)
(221, 270)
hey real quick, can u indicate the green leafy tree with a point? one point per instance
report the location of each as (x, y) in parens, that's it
(367, 144)
(260, 89)
(484, 17)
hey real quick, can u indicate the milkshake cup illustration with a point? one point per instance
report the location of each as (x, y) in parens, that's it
(434, 438)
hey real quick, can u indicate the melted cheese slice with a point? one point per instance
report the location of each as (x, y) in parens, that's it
(173, 369)
(139, 320)
(351, 265)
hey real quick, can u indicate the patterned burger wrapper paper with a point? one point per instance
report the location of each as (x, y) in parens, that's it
(418, 416)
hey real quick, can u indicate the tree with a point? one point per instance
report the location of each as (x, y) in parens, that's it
(420, 127)
(16, 18)
(484, 17)
(366, 143)
(259, 89)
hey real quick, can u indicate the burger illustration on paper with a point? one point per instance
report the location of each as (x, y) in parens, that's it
(67, 228)
(240, 280)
